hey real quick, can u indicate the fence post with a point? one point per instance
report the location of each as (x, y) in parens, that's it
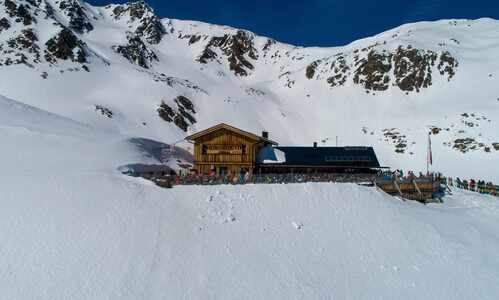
(168, 182)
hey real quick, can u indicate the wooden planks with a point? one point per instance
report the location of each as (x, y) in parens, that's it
(226, 149)
(411, 191)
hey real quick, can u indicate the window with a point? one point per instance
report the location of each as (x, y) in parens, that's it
(205, 148)
(244, 149)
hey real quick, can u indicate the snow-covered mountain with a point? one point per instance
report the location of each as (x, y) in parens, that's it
(121, 68)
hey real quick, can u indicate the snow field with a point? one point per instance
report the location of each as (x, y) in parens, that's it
(74, 228)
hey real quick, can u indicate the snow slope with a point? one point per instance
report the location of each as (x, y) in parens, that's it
(73, 227)
(365, 93)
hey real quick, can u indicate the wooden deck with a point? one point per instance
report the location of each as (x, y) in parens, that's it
(419, 190)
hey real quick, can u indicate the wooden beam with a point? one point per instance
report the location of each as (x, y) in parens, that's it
(397, 186)
(417, 188)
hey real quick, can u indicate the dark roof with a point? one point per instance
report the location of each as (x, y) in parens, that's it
(329, 156)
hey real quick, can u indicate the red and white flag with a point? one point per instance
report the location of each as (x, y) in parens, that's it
(430, 160)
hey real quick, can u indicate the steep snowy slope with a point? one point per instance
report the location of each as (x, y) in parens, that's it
(120, 68)
(72, 227)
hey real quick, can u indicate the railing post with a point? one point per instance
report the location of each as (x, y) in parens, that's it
(417, 188)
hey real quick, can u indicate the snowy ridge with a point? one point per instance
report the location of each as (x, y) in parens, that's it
(387, 91)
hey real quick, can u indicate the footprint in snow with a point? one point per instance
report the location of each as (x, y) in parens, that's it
(297, 225)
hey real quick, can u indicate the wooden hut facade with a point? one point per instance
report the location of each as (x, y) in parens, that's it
(226, 149)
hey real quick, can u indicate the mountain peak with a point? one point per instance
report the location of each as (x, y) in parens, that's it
(144, 18)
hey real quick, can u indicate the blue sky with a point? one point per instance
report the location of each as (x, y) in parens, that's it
(322, 23)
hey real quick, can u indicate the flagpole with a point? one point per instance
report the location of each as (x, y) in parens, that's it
(427, 152)
(429, 159)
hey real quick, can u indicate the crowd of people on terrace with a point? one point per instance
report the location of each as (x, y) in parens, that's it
(246, 177)
(386, 175)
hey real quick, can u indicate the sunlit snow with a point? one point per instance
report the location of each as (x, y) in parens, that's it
(73, 227)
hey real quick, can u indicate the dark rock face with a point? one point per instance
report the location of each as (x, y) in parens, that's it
(137, 52)
(235, 48)
(152, 29)
(185, 103)
(166, 112)
(25, 42)
(372, 71)
(4, 24)
(341, 71)
(78, 19)
(136, 9)
(62, 45)
(413, 68)
(20, 13)
(267, 46)
(407, 68)
(104, 111)
(11, 8)
(310, 72)
(24, 14)
(184, 106)
(396, 138)
(447, 64)
(150, 26)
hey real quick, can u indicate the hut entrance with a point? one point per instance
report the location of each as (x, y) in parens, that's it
(223, 171)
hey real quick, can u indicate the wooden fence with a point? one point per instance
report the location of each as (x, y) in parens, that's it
(419, 189)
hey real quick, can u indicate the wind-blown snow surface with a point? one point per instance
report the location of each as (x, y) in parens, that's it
(74, 228)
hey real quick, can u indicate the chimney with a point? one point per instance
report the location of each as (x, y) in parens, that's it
(265, 134)
(315, 145)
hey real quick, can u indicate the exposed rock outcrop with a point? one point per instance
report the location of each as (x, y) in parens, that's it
(63, 46)
(185, 109)
(376, 70)
(104, 111)
(78, 20)
(136, 52)
(20, 12)
(25, 42)
(4, 24)
(235, 48)
(372, 71)
(149, 26)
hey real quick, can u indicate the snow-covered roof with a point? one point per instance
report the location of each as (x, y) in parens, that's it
(271, 155)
